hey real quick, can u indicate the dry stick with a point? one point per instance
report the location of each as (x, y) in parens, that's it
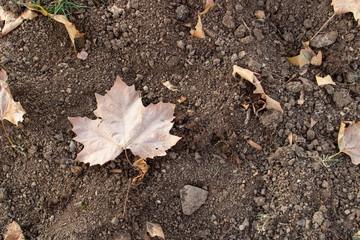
(127, 157)
(126, 198)
(2, 122)
(326, 23)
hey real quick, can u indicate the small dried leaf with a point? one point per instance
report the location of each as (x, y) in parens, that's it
(254, 144)
(321, 81)
(209, 4)
(11, 22)
(246, 106)
(272, 104)
(303, 58)
(181, 99)
(349, 140)
(344, 6)
(250, 76)
(142, 167)
(13, 232)
(9, 109)
(302, 97)
(317, 60)
(170, 86)
(198, 32)
(82, 55)
(154, 230)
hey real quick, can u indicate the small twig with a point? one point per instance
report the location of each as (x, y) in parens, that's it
(246, 26)
(326, 23)
(2, 122)
(126, 198)
(127, 157)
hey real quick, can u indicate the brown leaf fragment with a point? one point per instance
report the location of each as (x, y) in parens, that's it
(317, 60)
(198, 32)
(345, 6)
(11, 22)
(301, 99)
(303, 58)
(124, 123)
(349, 140)
(13, 232)
(321, 81)
(272, 104)
(142, 167)
(154, 230)
(9, 109)
(181, 99)
(76, 37)
(209, 4)
(170, 86)
(254, 144)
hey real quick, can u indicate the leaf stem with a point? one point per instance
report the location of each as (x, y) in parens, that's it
(127, 157)
(335, 155)
(326, 23)
(2, 122)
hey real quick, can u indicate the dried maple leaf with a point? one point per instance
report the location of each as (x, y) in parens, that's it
(11, 22)
(349, 140)
(198, 32)
(124, 123)
(344, 6)
(270, 103)
(13, 232)
(9, 109)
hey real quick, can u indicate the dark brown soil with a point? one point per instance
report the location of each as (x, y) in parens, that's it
(283, 191)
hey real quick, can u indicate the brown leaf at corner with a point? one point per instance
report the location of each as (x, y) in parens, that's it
(349, 140)
(345, 6)
(155, 230)
(13, 232)
(11, 22)
(9, 109)
(198, 32)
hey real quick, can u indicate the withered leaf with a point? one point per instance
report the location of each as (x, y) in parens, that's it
(13, 232)
(124, 123)
(9, 109)
(344, 6)
(155, 230)
(142, 167)
(198, 32)
(321, 81)
(349, 140)
(76, 37)
(11, 22)
(270, 103)
(208, 4)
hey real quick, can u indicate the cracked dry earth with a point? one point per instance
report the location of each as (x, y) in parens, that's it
(280, 192)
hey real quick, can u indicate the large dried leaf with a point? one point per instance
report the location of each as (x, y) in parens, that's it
(270, 103)
(76, 37)
(13, 232)
(349, 140)
(9, 109)
(344, 6)
(124, 123)
(11, 22)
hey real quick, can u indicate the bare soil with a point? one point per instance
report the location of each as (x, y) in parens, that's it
(281, 192)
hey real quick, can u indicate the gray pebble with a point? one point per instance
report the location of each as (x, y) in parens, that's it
(294, 87)
(182, 13)
(192, 198)
(72, 146)
(180, 44)
(323, 40)
(318, 218)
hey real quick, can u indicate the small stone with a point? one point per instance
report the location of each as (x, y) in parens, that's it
(258, 34)
(180, 44)
(318, 218)
(241, 55)
(307, 23)
(271, 119)
(240, 31)
(228, 21)
(259, 201)
(78, 205)
(192, 198)
(325, 184)
(351, 78)
(294, 87)
(310, 135)
(329, 89)
(234, 57)
(3, 194)
(115, 221)
(115, 10)
(247, 40)
(347, 212)
(301, 222)
(342, 98)
(76, 170)
(72, 146)
(244, 224)
(182, 13)
(323, 40)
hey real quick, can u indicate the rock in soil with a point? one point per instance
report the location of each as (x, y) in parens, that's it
(342, 98)
(192, 198)
(323, 40)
